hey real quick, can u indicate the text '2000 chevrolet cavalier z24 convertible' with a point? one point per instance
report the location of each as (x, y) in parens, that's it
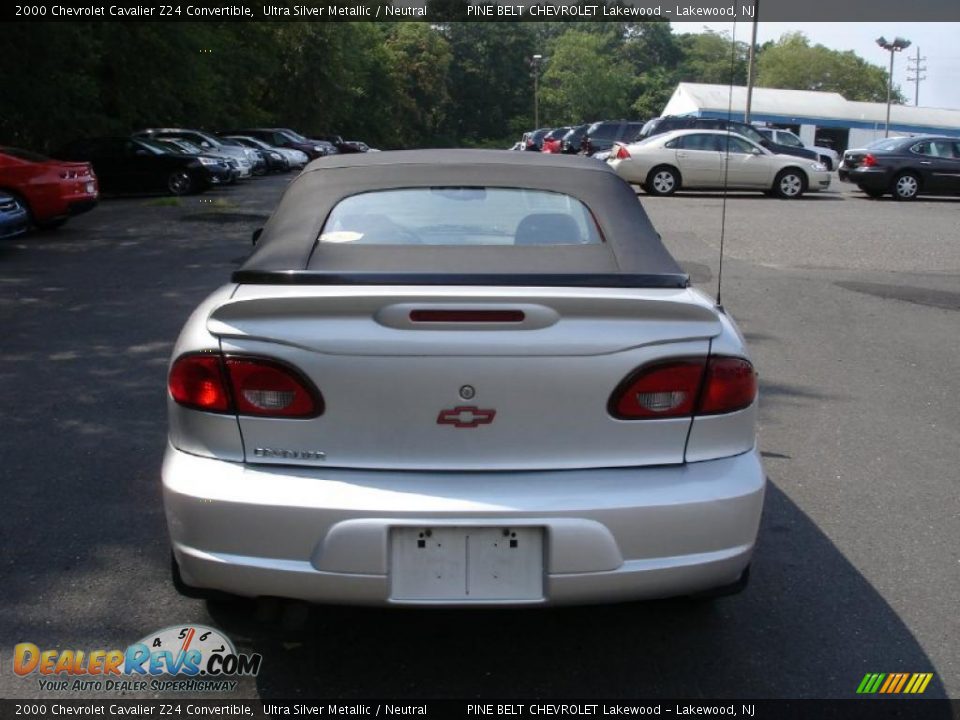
(461, 378)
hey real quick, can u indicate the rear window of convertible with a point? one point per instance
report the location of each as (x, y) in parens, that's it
(461, 216)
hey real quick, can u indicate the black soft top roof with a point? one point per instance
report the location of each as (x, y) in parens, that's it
(289, 252)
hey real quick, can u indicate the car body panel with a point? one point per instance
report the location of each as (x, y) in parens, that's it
(128, 165)
(827, 156)
(601, 136)
(459, 430)
(51, 190)
(933, 160)
(14, 218)
(668, 123)
(612, 534)
(207, 142)
(746, 166)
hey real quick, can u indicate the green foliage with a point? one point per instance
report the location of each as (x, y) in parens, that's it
(390, 84)
(489, 77)
(585, 80)
(793, 63)
(710, 57)
(419, 62)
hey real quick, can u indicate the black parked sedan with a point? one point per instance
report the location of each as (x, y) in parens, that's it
(905, 167)
(137, 165)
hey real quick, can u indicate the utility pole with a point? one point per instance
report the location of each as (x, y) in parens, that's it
(751, 62)
(535, 65)
(913, 66)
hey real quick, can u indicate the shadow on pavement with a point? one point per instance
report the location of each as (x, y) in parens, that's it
(809, 625)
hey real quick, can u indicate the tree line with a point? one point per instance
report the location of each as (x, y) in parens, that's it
(393, 85)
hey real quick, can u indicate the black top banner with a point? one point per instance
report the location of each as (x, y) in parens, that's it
(441, 11)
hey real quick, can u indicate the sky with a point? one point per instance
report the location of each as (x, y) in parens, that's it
(939, 43)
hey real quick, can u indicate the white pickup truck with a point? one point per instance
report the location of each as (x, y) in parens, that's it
(828, 157)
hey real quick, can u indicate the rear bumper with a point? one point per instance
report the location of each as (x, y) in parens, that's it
(870, 178)
(324, 535)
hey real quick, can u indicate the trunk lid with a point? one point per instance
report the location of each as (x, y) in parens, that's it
(455, 378)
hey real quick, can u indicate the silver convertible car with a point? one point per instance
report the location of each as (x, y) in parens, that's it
(461, 378)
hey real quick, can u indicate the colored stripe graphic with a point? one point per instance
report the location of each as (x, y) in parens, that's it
(903, 680)
(891, 680)
(894, 683)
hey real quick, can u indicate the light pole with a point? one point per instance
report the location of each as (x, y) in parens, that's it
(751, 61)
(535, 64)
(895, 46)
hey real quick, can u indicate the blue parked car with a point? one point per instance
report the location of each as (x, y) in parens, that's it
(13, 217)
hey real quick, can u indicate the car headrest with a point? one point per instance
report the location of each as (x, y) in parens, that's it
(547, 229)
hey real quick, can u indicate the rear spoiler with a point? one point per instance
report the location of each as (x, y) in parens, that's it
(610, 280)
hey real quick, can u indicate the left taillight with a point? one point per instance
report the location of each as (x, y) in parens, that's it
(197, 382)
(243, 385)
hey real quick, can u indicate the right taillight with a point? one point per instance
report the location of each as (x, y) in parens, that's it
(622, 153)
(242, 385)
(685, 387)
(869, 161)
(730, 385)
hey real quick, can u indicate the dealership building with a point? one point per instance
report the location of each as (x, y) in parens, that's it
(819, 118)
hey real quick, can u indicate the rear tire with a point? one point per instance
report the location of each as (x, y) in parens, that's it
(906, 186)
(790, 183)
(663, 180)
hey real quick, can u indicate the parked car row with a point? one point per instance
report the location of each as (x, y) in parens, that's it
(598, 138)
(45, 192)
(670, 153)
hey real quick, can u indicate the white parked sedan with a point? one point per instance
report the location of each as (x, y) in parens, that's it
(714, 159)
(466, 378)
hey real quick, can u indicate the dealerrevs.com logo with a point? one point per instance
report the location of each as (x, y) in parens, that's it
(187, 658)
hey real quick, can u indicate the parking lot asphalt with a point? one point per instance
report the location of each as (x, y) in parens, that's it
(850, 307)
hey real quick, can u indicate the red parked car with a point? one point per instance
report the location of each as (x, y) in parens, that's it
(553, 140)
(52, 190)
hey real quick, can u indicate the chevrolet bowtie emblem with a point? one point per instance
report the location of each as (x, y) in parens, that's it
(466, 416)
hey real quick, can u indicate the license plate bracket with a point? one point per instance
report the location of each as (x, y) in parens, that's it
(457, 563)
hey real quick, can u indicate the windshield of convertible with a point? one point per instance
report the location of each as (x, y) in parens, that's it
(461, 216)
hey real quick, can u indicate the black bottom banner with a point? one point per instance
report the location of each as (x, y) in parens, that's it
(914, 709)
